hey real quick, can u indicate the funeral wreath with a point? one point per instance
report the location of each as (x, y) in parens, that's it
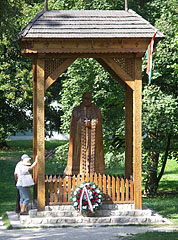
(87, 197)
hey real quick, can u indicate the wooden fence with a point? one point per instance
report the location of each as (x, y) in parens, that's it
(115, 189)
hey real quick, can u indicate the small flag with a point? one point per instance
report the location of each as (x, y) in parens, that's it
(149, 57)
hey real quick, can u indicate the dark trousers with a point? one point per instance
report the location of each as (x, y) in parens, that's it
(17, 210)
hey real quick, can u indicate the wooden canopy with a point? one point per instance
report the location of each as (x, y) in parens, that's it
(117, 40)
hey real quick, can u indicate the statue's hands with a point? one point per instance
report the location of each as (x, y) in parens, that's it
(87, 123)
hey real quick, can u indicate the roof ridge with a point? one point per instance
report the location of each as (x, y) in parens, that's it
(144, 20)
(26, 29)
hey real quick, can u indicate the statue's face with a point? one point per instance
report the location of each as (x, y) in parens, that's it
(86, 100)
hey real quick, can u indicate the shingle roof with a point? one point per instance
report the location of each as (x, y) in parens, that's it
(88, 24)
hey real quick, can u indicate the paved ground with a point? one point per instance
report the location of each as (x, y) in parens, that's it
(107, 233)
(86, 233)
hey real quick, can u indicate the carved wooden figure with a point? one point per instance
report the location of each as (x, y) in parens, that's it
(86, 153)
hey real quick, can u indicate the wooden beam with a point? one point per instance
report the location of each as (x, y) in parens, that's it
(40, 135)
(80, 55)
(34, 125)
(128, 132)
(113, 74)
(34, 115)
(120, 72)
(105, 45)
(54, 75)
(137, 134)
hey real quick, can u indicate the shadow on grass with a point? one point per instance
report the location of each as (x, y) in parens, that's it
(153, 236)
(167, 186)
(164, 204)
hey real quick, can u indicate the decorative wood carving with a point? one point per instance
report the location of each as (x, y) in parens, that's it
(119, 71)
(127, 65)
(51, 65)
(55, 69)
(128, 132)
(86, 153)
(113, 74)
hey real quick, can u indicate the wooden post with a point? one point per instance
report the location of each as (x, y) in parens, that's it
(40, 135)
(34, 125)
(128, 132)
(137, 134)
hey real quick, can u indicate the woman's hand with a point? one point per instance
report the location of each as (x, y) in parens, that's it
(36, 158)
(34, 164)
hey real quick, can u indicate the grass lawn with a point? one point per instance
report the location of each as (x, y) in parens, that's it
(165, 203)
(153, 236)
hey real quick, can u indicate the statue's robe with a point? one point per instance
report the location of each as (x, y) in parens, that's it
(86, 153)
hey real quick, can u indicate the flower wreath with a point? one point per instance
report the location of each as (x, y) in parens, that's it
(87, 197)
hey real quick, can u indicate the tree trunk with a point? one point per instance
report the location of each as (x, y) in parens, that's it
(165, 158)
(3, 145)
(151, 179)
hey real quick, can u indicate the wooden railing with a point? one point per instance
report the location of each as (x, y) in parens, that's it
(115, 189)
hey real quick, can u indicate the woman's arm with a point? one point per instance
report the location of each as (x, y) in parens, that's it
(34, 164)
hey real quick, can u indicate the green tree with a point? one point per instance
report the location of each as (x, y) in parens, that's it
(15, 83)
(16, 73)
(160, 101)
(160, 125)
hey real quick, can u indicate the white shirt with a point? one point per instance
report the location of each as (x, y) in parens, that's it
(20, 170)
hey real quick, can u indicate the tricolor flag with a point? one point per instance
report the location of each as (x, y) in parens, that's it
(149, 57)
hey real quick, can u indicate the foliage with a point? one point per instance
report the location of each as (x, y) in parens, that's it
(61, 154)
(160, 115)
(15, 76)
(159, 118)
(160, 125)
(166, 56)
(16, 73)
(86, 4)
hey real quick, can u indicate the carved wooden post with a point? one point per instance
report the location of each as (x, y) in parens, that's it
(128, 132)
(35, 125)
(40, 135)
(137, 134)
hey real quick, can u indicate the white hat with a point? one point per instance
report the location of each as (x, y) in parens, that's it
(26, 159)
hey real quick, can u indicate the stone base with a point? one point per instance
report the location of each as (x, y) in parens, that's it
(109, 214)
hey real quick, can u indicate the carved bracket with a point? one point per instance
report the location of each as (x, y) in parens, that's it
(119, 70)
(54, 68)
(127, 65)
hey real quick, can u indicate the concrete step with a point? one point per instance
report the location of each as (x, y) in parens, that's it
(66, 221)
(109, 214)
(99, 213)
(104, 207)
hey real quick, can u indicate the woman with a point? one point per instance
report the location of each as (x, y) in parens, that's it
(24, 180)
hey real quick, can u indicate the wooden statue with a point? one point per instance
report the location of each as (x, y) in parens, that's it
(86, 141)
